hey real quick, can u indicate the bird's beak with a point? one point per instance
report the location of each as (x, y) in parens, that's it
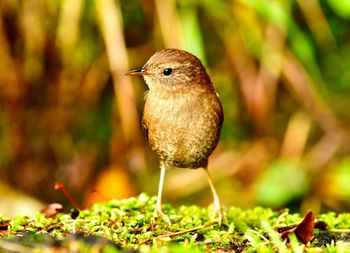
(137, 72)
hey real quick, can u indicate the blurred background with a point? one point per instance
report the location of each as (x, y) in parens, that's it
(68, 113)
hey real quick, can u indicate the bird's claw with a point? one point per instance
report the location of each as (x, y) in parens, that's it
(159, 212)
(219, 214)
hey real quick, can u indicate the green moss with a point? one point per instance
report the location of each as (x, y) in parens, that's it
(129, 224)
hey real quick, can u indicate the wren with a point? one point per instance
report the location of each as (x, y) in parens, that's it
(182, 116)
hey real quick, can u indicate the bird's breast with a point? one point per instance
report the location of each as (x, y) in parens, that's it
(183, 129)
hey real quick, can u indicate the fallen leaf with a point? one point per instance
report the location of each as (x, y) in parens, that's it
(304, 230)
(52, 210)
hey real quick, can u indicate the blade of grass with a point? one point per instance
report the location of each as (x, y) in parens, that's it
(111, 24)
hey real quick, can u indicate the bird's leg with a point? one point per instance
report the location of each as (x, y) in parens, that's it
(217, 202)
(159, 210)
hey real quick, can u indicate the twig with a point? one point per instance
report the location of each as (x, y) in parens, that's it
(339, 230)
(174, 234)
(259, 235)
(284, 214)
(60, 186)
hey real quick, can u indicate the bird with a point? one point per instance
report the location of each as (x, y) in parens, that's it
(182, 116)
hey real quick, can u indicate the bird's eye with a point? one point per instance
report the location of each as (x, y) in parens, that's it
(167, 71)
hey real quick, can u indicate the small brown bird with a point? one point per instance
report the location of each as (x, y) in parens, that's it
(182, 116)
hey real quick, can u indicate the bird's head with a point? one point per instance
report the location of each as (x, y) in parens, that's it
(172, 68)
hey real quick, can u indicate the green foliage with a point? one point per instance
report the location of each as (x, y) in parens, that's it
(281, 183)
(341, 7)
(129, 224)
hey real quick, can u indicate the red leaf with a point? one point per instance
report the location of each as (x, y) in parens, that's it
(304, 230)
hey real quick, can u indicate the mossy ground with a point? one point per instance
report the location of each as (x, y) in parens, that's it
(129, 226)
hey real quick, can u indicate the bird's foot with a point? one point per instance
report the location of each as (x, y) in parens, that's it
(218, 212)
(159, 212)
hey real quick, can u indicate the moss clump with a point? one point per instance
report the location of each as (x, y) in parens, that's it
(129, 226)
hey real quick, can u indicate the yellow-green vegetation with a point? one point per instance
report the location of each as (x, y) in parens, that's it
(129, 226)
(281, 68)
